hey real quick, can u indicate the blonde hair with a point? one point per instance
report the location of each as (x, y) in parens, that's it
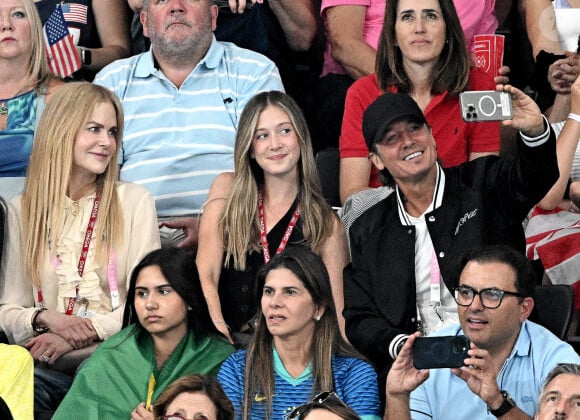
(38, 69)
(239, 224)
(49, 172)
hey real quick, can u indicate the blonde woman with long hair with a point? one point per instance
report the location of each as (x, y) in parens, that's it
(25, 85)
(73, 237)
(273, 200)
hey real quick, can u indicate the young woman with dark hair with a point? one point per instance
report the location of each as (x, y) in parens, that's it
(169, 334)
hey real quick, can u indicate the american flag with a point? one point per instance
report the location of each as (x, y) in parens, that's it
(75, 12)
(63, 57)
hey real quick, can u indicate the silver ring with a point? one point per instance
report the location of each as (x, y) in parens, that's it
(45, 358)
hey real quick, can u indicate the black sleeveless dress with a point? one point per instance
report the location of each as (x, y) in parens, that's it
(238, 297)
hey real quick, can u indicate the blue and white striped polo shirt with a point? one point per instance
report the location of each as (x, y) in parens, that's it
(176, 140)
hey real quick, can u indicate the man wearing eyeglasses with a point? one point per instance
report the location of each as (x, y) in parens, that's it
(509, 358)
(405, 248)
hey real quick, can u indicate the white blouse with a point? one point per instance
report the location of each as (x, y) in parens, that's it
(59, 278)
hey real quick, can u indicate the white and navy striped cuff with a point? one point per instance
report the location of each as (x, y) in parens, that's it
(541, 139)
(397, 344)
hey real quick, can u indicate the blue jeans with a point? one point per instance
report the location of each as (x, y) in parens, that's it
(50, 387)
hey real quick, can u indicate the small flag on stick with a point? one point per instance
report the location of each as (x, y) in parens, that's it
(63, 57)
(75, 12)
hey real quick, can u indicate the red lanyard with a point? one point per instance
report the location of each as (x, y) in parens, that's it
(82, 258)
(263, 236)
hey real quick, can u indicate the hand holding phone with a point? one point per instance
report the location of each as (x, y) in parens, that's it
(440, 352)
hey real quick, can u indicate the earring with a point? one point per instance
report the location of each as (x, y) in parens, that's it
(317, 317)
(189, 308)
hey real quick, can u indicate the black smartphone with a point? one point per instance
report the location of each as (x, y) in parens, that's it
(440, 352)
(485, 105)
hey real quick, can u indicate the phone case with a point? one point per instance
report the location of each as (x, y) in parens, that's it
(440, 352)
(485, 105)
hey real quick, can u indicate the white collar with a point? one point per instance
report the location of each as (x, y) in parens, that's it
(435, 202)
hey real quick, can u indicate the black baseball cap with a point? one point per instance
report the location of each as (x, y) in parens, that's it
(386, 109)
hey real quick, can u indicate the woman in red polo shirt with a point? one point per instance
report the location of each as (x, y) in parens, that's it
(422, 51)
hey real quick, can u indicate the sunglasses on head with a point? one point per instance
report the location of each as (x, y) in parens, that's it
(319, 399)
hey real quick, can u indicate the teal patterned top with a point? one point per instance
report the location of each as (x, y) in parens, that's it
(16, 139)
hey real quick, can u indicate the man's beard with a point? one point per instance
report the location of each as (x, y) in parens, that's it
(179, 51)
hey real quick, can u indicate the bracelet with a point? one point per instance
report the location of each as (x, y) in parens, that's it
(38, 329)
(574, 117)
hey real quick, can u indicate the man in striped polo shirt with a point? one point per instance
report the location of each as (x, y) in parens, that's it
(182, 101)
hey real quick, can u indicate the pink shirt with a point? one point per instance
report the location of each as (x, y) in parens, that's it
(476, 17)
(371, 31)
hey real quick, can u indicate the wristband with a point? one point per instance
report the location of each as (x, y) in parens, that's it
(575, 117)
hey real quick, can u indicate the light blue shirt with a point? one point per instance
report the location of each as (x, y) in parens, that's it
(176, 140)
(445, 396)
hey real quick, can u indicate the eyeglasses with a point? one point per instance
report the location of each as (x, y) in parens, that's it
(318, 399)
(490, 297)
(180, 417)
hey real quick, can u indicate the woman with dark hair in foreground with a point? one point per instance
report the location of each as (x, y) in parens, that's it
(169, 334)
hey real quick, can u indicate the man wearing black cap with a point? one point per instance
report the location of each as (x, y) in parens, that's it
(406, 247)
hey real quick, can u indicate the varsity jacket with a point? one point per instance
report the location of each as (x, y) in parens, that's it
(484, 202)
